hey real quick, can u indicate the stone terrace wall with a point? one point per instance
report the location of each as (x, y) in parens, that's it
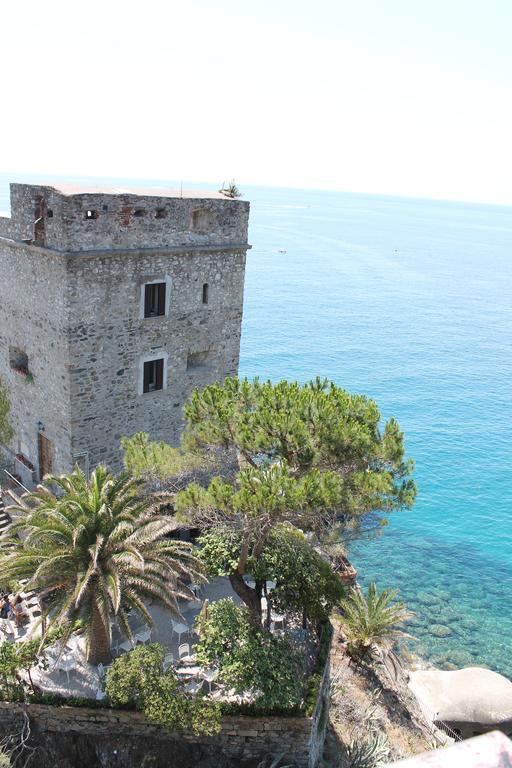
(90, 738)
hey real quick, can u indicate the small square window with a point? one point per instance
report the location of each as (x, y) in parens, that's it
(139, 213)
(160, 213)
(154, 299)
(49, 213)
(153, 376)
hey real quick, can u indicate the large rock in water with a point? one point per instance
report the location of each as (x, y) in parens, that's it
(474, 698)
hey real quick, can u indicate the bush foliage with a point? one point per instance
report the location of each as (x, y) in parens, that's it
(250, 659)
(137, 679)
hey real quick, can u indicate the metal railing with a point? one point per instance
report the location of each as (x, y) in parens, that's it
(493, 750)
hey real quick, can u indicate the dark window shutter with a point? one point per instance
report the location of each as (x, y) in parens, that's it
(147, 300)
(147, 376)
(161, 299)
(159, 378)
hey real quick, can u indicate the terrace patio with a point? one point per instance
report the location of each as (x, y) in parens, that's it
(69, 674)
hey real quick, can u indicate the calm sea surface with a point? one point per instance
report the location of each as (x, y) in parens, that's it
(410, 302)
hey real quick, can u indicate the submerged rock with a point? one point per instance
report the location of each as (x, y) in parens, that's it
(439, 630)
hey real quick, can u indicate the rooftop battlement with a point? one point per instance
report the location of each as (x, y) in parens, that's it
(71, 218)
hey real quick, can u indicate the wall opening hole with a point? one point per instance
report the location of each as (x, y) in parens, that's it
(18, 360)
(160, 213)
(139, 212)
(198, 360)
(104, 208)
(90, 214)
(49, 213)
(205, 293)
(203, 220)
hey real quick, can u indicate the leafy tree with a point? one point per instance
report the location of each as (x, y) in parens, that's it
(249, 659)
(312, 455)
(311, 426)
(260, 499)
(6, 430)
(138, 679)
(372, 620)
(305, 584)
(156, 461)
(22, 656)
(94, 549)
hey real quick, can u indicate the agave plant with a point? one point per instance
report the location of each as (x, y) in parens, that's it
(368, 752)
(372, 620)
(95, 550)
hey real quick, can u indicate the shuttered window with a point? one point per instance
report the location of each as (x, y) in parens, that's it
(153, 376)
(154, 299)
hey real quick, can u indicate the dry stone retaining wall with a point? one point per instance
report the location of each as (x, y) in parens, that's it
(89, 738)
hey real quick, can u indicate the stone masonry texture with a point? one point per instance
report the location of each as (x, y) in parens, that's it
(89, 738)
(73, 268)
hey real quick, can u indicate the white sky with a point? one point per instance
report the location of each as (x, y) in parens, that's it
(406, 97)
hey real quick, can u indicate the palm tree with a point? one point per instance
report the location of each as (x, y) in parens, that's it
(372, 620)
(95, 550)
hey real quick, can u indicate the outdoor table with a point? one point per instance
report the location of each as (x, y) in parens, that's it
(190, 671)
(66, 664)
(128, 645)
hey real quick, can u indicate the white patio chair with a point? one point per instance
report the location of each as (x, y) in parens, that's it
(143, 635)
(184, 653)
(210, 675)
(168, 660)
(127, 645)
(180, 629)
(67, 665)
(193, 687)
(7, 627)
(277, 618)
(101, 670)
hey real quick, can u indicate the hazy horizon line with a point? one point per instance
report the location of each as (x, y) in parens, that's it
(43, 176)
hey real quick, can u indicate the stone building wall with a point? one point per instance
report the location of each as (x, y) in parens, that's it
(71, 297)
(76, 220)
(108, 341)
(89, 738)
(33, 319)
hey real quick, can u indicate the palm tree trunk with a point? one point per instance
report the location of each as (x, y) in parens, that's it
(99, 650)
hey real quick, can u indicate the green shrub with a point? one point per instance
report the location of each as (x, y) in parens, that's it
(137, 679)
(249, 658)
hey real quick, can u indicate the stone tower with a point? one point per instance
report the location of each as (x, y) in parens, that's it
(114, 305)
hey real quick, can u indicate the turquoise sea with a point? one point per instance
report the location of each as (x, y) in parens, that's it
(410, 302)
